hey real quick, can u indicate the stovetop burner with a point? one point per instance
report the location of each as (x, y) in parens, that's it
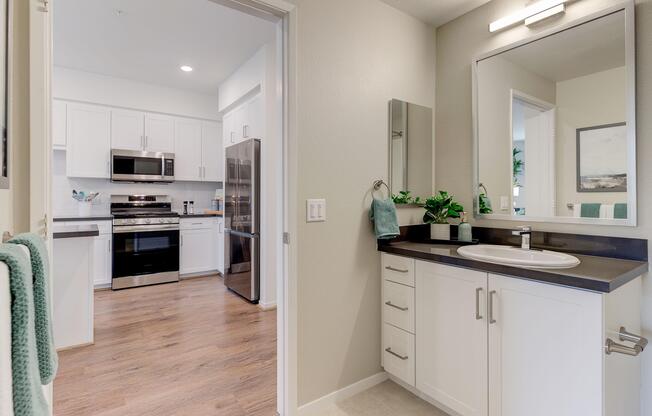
(142, 206)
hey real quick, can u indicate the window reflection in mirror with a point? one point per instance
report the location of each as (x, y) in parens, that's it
(552, 137)
(411, 144)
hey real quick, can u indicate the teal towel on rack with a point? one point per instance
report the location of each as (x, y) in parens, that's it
(26, 379)
(590, 211)
(620, 211)
(47, 353)
(383, 214)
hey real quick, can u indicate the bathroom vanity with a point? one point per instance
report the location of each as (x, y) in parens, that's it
(479, 338)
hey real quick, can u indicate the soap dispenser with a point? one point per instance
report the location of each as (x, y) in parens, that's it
(464, 230)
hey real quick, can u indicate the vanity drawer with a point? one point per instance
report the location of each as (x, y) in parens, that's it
(398, 305)
(398, 353)
(398, 269)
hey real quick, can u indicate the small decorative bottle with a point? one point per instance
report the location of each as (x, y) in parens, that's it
(464, 231)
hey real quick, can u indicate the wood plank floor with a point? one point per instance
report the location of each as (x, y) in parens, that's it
(188, 348)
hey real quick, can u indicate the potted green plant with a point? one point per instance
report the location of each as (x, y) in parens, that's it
(439, 209)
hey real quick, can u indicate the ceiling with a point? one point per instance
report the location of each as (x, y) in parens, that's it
(148, 40)
(436, 12)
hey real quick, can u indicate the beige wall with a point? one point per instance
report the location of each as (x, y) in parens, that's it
(591, 100)
(462, 39)
(353, 57)
(497, 77)
(14, 203)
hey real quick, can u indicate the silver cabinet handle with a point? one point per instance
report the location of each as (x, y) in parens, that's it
(491, 307)
(400, 308)
(402, 357)
(396, 270)
(478, 291)
(639, 343)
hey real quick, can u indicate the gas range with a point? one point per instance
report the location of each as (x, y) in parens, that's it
(145, 241)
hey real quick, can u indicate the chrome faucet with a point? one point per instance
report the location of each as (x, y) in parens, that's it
(525, 232)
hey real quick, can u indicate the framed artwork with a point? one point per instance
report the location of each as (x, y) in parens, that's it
(602, 158)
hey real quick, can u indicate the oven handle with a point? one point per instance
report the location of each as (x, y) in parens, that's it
(143, 228)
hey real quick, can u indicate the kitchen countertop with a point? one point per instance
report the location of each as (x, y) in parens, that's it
(75, 231)
(200, 215)
(93, 217)
(594, 273)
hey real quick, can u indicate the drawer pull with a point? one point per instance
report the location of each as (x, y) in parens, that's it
(491, 307)
(396, 270)
(478, 291)
(399, 356)
(639, 343)
(390, 304)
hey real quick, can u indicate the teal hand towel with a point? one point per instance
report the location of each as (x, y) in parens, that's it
(383, 214)
(620, 211)
(590, 211)
(27, 391)
(47, 354)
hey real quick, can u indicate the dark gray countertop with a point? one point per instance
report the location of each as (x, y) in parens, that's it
(75, 231)
(599, 274)
(99, 217)
(200, 215)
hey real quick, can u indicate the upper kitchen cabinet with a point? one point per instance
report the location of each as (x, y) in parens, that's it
(88, 141)
(59, 121)
(127, 130)
(245, 122)
(159, 133)
(188, 150)
(212, 151)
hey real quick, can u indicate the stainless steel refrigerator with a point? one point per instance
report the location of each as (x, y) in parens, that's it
(242, 219)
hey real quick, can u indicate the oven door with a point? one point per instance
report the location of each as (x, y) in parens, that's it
(145, 255)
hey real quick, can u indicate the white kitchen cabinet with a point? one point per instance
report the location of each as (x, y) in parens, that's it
(199, 252)
(228, 129)
(159, 133)
(212, 151)
(451, 348)
(88, 141)
(127, 130)
(188, 150)
(102, 251)
(59, 124)
(546, 349)
(245, 122)
(219, 245)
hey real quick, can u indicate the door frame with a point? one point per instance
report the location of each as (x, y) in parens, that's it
(40, 113)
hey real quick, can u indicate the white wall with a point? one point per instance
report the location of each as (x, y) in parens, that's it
(353, 57)
(70, 84)
(251, 75)
(581, 104)
(466, 37)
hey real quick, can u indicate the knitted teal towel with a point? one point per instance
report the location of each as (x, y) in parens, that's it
(383, 214)
(27, 391)
(47, 354)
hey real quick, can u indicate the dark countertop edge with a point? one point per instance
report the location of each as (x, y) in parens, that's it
(89, 218)
(537, 275)
(200, 215)
(75, 232)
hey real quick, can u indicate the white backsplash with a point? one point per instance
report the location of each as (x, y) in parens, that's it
(62, 186)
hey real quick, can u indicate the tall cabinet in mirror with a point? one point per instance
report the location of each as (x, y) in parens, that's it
(555, 130)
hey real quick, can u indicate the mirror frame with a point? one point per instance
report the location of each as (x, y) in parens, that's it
(630, 67)
(5, 181)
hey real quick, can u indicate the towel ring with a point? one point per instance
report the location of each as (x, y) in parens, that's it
(378, 184)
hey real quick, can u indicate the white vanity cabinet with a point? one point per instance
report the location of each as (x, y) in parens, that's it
(491, 345)
(102, 251)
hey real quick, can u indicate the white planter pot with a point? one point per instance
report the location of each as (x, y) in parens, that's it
(84, 208)
(440, 231)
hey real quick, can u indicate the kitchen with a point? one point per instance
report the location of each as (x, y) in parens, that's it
(165, 170)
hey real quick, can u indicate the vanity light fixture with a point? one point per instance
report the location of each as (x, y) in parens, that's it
(186, 68)
(531, 14)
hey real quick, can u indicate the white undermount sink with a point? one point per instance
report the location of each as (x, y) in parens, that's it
(514, 256)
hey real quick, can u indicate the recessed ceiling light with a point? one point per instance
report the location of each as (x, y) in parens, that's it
(186, 68)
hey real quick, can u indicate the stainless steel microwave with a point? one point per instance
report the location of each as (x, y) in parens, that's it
(137, 166)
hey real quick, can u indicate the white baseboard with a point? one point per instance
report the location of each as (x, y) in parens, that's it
(266, 306)
(341, 394)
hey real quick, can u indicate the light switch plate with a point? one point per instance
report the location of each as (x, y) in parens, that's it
(315, 210)
(504, 203)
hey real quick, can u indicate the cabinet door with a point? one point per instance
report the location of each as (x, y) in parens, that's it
(89, 141)
(188, 150)
(102, 260)
(451, 328)
(219, 246)
(127, 130)
(212, 152)
(545, 350)
(253, 123)
(159, 133)
(59, 128)
(228, 129)
(196, 254)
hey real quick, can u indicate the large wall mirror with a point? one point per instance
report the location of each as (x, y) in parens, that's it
(555, 128)
(4, 70)
(411, 144)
